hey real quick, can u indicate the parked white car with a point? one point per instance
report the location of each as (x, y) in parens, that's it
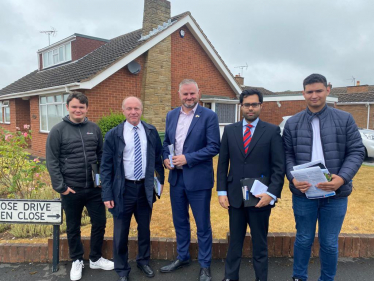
(366, 135)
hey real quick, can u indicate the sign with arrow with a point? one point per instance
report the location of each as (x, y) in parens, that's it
(31, 211)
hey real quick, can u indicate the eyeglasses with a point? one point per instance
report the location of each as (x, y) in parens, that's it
(253, 105)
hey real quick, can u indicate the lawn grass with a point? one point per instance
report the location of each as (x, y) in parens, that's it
(359, 218)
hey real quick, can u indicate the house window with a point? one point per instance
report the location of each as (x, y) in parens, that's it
(52, 109)
(226, 112)
(4, 112)
(58, 55)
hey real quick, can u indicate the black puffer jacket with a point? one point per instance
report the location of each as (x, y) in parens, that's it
(341, 144)
(71, 149)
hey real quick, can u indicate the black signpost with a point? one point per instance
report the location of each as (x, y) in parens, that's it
(35, 212)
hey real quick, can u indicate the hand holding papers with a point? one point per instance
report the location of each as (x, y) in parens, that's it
(249, 193)
(313, 173)
(259, 188)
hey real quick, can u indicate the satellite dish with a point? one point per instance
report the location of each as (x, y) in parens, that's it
(134, 67)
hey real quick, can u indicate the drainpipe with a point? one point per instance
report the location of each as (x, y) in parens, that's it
(368, 119)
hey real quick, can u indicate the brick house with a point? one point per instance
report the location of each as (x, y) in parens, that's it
(148, 63)
(357, 100)
(279, 104)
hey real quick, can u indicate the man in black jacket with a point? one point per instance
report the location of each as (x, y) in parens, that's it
(72, 146)
(331, 136)
(250, 148)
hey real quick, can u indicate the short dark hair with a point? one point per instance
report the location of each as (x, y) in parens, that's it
(315, 78)
(79, 96)
(251, 92)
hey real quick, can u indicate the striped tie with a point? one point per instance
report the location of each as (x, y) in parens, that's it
(247, 137)
(138, 155)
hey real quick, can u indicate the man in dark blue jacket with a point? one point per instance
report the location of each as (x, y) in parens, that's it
(131, 155)
(321, 132)
(194, 131)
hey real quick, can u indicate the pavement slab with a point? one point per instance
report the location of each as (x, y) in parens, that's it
(280, 269)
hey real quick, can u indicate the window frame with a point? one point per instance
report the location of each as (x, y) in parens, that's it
(48, 56)
(63, 106)
(213, 108)
(3, 112)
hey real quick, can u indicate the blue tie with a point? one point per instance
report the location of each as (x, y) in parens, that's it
(138, 155)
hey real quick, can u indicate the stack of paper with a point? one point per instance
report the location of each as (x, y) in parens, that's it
(314, 173)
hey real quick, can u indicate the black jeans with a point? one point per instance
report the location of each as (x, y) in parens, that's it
(73, 204)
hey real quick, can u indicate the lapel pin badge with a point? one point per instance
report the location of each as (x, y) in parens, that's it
(197, 116)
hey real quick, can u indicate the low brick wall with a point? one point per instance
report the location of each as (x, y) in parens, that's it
(279, 244)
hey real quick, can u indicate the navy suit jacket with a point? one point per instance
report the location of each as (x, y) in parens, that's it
(201, 145)
(112, 172)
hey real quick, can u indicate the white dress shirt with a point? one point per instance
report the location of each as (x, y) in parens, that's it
(129, 151)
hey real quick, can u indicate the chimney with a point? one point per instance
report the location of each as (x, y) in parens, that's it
(239, 80)
(156, 82)
(156, 12)
(358, 83)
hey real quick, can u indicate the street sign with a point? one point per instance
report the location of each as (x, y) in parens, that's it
(31, 211)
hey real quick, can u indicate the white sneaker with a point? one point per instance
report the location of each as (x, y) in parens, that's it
(76, 270)
(102, 263)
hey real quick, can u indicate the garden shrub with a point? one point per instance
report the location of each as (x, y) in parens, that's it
(108, 122)
(25, 177)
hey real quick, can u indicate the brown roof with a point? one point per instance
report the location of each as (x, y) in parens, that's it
(81, 69)
(356, 97)
(339, 90)
(263, 91)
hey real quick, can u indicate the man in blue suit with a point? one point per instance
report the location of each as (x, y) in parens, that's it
(194, 132)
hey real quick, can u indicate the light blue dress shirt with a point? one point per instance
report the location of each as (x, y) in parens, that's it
(254, 124)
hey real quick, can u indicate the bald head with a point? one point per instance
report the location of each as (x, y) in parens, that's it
(132, 108)
(132, 99)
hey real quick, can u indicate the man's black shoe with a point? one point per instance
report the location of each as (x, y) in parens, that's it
(205, 274)
(174, 266)
(297, 279)
(227, 279)
(124, 278)
(147, 270)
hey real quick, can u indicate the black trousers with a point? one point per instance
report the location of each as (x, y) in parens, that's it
(73, 205)
(258, 221)
(135, 202)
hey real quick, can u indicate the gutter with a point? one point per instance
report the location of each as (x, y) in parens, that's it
(51, 90)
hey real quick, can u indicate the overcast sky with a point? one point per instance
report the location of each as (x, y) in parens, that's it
(282, 41)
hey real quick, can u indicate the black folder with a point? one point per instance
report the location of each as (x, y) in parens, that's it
(96, 174)
(248, 182)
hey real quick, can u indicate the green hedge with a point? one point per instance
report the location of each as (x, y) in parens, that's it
(108, 122)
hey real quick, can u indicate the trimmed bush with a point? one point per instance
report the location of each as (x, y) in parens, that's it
(108, 122)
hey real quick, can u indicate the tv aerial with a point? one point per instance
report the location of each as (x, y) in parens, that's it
(242, 67)
(52, 32)
(352, 80)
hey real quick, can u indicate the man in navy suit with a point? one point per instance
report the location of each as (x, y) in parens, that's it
(194, 132)
(131, 156)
